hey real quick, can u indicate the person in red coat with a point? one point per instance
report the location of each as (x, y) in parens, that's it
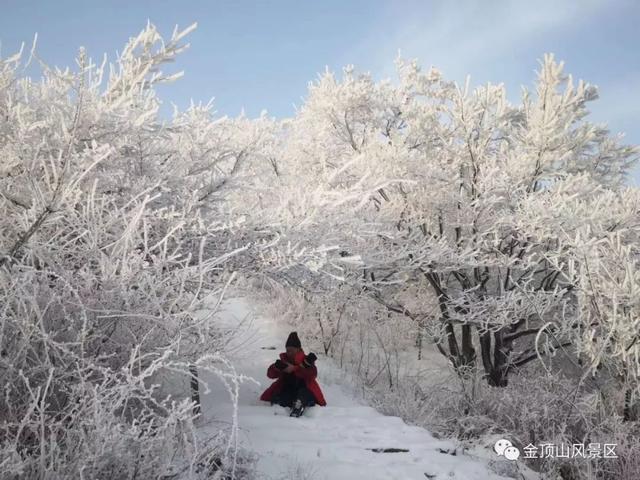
(296, 386)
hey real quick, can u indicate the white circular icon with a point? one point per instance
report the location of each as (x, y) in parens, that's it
(501, 445)
(511, 453)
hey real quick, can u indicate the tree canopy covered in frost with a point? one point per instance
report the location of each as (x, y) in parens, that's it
(110, 229)
(506, 230)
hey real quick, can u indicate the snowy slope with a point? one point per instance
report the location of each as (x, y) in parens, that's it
(329, 442)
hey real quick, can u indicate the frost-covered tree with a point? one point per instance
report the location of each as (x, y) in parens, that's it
(427, 186)
(108, 248)
(595, 234)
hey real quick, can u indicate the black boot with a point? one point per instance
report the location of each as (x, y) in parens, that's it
(298, 408)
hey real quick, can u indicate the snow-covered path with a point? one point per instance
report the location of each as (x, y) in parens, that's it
(329, 442)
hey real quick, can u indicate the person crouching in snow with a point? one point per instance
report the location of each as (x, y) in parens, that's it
(296, 386)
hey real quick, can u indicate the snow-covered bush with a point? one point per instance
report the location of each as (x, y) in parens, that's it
(104, 261)
(558, 411)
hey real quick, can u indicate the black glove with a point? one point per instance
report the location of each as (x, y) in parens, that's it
(309, 360)
(280, 365)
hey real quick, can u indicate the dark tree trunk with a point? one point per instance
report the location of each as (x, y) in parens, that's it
(496, 366)
(468, 352)
(630, 412)
(195, 389)
(461, 356)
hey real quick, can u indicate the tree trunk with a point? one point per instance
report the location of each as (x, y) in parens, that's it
(468, 352)
(630, 412)
(496, 365)
(195, 389)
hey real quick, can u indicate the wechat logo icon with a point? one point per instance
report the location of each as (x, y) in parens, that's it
(504, 447)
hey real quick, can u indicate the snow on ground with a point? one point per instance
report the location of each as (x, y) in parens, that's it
(331, 442)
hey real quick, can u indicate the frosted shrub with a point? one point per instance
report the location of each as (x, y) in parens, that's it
(104, 264)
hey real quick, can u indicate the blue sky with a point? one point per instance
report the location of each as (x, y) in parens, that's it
(261, 54)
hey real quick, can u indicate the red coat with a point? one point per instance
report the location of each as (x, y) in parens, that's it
(308, 374)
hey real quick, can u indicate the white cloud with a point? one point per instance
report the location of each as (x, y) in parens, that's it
(457, 37)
